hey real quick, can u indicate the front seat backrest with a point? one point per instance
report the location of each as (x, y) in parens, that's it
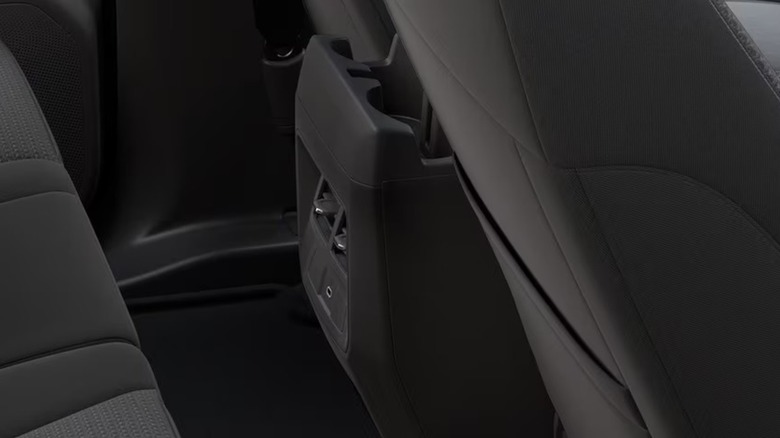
(625, 158)
(364, 22)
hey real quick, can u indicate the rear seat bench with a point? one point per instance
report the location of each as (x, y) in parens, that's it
(70, 364)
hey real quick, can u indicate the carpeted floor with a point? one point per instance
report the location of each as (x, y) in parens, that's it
(250, 368)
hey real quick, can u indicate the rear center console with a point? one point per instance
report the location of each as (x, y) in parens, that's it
(395, 262)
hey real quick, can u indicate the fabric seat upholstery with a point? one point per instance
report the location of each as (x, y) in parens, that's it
(70, 364)
(624, 159)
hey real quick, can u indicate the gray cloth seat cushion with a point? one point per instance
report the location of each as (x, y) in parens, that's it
(65, 389)
(137, 413)
(70, 363)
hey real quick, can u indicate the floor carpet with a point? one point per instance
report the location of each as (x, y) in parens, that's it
(255, 367)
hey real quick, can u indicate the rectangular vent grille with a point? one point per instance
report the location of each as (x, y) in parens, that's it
(331, 219)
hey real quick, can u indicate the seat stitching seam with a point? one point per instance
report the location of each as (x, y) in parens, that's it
(622, 381)
(33, 195)
(568, 265)
(468, 92)
(657, 355)
(695, 183)
(349, 16)
(66, 349)
(543, 307)
(533, 187)
(522, 79)
(380, 17)
(573, 353)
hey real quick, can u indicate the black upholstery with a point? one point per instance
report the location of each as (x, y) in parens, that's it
(623, 157)
(68, 348)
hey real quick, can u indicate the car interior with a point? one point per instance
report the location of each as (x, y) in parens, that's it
(389, 218)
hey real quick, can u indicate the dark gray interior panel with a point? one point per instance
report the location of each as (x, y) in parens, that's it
(204, 176)
(397, 268)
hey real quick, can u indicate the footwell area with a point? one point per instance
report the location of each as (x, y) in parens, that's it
(253, 367)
